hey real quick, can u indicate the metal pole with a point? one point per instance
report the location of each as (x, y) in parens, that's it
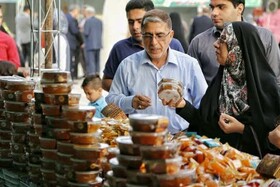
(39, 37)
(32, 41)
(58, 34)
(49, 35)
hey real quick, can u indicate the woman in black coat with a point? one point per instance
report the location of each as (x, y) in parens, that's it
(242, 102)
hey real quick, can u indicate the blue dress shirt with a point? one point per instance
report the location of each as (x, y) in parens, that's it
(137, 75)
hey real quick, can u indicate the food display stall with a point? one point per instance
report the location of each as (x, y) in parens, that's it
(48, 139)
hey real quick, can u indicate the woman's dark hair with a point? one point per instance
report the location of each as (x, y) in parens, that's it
(7, 68)
(179, 32)
(139, 4)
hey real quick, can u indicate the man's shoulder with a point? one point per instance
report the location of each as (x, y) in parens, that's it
(126, 44)
(206, 34)
(123, 42)
(6, 36)
(263, 32)
(134, 57)
(203, 39)
(95, 19)
(184, 56)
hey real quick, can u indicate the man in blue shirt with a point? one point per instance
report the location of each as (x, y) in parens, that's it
(135, 10)
(135, 85)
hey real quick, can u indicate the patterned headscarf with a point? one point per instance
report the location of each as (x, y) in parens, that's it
(233, 98)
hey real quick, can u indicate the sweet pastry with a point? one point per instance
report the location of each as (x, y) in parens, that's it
(113, 111)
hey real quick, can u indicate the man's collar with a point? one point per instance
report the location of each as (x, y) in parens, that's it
(171, 58)
(217, 32)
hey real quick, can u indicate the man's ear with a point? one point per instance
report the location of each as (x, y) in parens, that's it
(100, 90)
(240, 9)
(172, 33)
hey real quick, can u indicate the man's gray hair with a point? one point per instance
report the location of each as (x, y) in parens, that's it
(156, 15)
(90, 9)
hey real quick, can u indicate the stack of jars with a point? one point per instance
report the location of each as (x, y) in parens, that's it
(5, 127)
(128, 167)
(18, 94)
(50, 127)
(87, 151)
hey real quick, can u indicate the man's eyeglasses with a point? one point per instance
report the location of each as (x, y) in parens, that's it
(158, 36)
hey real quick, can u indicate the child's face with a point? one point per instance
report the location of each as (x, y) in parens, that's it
(92, 94)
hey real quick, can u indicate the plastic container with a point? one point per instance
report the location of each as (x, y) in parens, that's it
(85, 138)
(148, 122)
(64, 99)
(5, 144)
(47, 164)
(20, 127)
(118, 170)
(137, 178)
(163, 166)
(20, 85)
(38, 118)
(90, 152)
(85, 165)
(18, 148)
(5, 153)
(19, 138)
(79, 113)
(15, 106)
(60, 88)
(65, 147)
(54, 76)
(61, 134)
(5, 134)
(61, 180)
(64, 159)
(89, 126)
(115, 181)
(57, 122)
(146, 138)
(167, 150)
(51, 110)
(126, 146)
(97, 183)
(24, 96)
(19, 157)
(49, 154)
(86, 176)
(23, 117)
(2, 114)
(48, 175)
(8, 95)
(33, 139)
(182, 178)
(47, 143)
(170, 89)
(130, 162)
